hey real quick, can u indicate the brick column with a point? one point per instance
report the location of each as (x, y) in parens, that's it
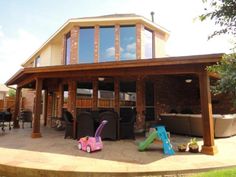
(117, 95)
(61, 99)
(36, 119)
(63, 50)
(139, 28)
(96, 44)
(72, 103)
(45, 116)
(117, 42)
(17, 108)
(140, 104)
(207, 119)
(74, 45)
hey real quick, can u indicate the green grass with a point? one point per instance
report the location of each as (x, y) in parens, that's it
(230, 172)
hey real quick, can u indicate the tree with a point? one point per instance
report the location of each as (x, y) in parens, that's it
(12, 92)
(223, 12)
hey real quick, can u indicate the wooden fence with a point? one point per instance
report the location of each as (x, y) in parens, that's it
(8, 102)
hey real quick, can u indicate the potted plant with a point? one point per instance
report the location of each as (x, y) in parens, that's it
(193, 145)
(182, 147)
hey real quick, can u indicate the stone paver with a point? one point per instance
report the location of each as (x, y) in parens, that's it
(52, 155)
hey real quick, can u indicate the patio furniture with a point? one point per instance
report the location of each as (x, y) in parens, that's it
(25, 116)
(127, 124)
(85, 125)
(2, 121)
(69, 124)
(8, 117)
(110, 131)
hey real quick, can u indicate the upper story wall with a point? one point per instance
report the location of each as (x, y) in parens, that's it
(91, 42)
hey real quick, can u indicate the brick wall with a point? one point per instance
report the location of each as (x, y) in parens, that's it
(28, 99)
(174, 93)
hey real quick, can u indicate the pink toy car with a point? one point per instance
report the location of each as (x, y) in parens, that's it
(90, 144)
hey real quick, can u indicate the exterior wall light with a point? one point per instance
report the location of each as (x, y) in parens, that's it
(101, 78)
(188, 80)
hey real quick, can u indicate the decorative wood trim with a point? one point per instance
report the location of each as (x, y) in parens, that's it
(36, 119)
(206, 109)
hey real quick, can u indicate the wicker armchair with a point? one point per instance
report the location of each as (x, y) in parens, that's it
(85, 125)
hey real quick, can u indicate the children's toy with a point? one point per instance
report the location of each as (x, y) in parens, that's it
(158, 135)
(90, 144)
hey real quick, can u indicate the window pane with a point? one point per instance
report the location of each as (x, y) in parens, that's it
(147, 44)
(67, 54)
(127, 42)
(86, 45)
(38, 61)
(106, 46)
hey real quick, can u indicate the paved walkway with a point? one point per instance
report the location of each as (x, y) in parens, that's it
(51, 155)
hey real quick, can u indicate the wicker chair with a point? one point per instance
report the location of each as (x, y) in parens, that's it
(127, 125)
(110, 130)
(85, 125)
(26, 116)
(67, 116)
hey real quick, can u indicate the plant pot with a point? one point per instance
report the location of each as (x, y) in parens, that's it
(193, 149)
(182, 148)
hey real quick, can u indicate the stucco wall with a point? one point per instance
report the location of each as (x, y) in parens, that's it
(160, 42)
(56, 54)
(45, 56)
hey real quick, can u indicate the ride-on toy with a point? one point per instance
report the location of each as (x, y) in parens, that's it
(90, 144)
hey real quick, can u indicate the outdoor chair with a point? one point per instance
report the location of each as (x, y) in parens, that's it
(110, 129)
(127, 124)
(8, 118)
(67, 116)
(26, 116)
(85, 125)
(2, 121)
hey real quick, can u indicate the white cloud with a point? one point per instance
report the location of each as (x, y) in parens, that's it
(14, 51)
(129, 55)
(110, 52)
(131, 47)
(1, 32)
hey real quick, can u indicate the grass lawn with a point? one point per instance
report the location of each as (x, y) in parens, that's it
(230, 172)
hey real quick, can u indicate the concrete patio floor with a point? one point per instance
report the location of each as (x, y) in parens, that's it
(52, 155)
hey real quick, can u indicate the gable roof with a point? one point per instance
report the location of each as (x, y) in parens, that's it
(101, 20)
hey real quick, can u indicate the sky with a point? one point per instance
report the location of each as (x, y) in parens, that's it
(25, 25)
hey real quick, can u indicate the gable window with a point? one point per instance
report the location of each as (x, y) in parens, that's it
(67, 49)
(86, 45)
(148, 46)
(107, 44)
(37, 62)
(127, 42)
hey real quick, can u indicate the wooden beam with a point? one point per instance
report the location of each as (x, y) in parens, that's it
(17, 108)
(72, 103)
(26, 81)
(36, 119)
(207, 119)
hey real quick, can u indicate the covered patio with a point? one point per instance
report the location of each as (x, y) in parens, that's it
(24, 156)
(115, 77)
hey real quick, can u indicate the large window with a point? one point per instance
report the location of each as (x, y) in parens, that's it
(148, 44)
(127, 42)
(37, 62)
(86, 45)
(107, 44)
(67, 52)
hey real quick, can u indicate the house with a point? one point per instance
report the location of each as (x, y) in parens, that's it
(115, 62)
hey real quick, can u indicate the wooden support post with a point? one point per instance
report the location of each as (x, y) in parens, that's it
(45, 111)
(117, 95)
(95, 95)
(61, 99)
(140, 104)
(207, 120)
(72, 103)
(17, 108)
(36, 119)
